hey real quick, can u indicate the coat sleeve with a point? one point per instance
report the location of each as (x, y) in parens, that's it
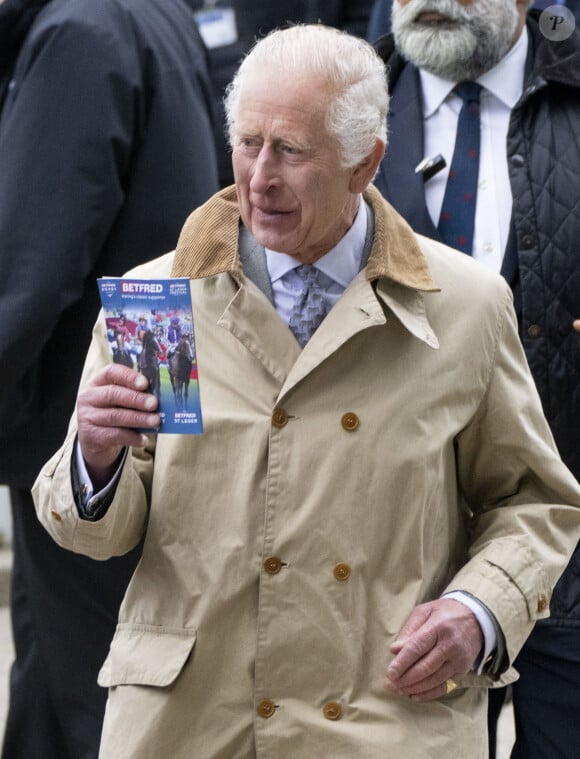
(508, 465)
(66, 135)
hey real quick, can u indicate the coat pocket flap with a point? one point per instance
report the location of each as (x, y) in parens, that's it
(146, 655)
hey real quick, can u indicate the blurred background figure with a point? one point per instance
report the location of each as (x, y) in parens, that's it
(525, 223)
(380, 19)
(106, 145)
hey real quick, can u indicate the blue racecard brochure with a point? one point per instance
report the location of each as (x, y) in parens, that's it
(150, 329)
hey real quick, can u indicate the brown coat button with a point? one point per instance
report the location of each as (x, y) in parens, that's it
(272, 565)
(56, 516)
(279, 418)
(266, 708)
(342, 572)
(542, 604)
(350, 421)
(332, 710)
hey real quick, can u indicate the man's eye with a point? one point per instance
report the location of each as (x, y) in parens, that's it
(249, 142)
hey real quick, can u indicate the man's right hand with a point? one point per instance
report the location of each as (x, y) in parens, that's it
(109, 409)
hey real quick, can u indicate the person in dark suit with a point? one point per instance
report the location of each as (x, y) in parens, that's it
(105, 147)
(527, 224)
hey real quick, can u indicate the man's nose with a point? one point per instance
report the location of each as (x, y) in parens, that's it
(264, 174)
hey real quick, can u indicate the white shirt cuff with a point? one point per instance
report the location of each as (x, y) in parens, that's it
(488, 629)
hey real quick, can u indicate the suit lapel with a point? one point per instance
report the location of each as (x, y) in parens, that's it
(396, 179)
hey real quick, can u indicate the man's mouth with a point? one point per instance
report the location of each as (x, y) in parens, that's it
(432, 17)
(270, 212)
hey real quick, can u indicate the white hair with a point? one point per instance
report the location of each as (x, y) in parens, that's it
(357, 116)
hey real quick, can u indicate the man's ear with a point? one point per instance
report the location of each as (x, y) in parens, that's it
(364, 172)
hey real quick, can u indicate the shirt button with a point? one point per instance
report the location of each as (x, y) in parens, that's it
(56, 516)
(332, 710)
(534, 330)
(272, 565)
(279, 418)
(342, 572)
(349, 422)
(542, 604)
(266, 708)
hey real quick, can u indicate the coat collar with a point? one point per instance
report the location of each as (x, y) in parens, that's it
(208, 244)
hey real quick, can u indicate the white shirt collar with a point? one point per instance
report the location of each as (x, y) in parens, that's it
(341, 264)
(505, 80)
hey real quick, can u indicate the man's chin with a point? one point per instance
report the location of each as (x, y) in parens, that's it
(435, 49)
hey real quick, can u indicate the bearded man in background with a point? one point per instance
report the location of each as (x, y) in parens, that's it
(526, 226)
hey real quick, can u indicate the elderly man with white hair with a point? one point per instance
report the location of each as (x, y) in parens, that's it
(373, 519)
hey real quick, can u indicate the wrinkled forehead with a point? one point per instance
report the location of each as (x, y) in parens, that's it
(281, 96)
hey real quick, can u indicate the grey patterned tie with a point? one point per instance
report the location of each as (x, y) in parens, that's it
(309, 307)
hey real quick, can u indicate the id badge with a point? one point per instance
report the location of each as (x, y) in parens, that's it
(217, 26)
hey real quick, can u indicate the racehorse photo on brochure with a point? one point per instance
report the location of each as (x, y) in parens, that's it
(150, 329)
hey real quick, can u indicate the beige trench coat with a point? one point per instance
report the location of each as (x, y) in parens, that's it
(402, 454)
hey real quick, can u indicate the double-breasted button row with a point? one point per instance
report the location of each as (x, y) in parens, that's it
(348, 421)
(267, 708)
(273, 564)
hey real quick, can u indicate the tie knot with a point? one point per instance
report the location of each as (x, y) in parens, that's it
(308, 274)
(469, 92)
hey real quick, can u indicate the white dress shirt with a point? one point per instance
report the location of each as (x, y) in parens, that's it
(503, 87)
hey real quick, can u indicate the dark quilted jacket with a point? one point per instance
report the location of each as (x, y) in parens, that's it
(543, 149)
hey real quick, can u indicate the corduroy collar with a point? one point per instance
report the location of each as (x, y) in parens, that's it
(208, 244)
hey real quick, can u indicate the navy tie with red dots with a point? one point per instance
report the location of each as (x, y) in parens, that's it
(457, 218)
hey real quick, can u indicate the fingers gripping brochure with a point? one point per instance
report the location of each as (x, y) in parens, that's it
(150, 329)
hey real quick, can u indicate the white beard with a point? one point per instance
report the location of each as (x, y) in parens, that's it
(475, 38)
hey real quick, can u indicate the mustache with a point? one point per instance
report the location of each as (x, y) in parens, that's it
(451, 9)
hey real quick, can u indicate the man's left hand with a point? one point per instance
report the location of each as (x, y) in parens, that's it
(440, 641)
